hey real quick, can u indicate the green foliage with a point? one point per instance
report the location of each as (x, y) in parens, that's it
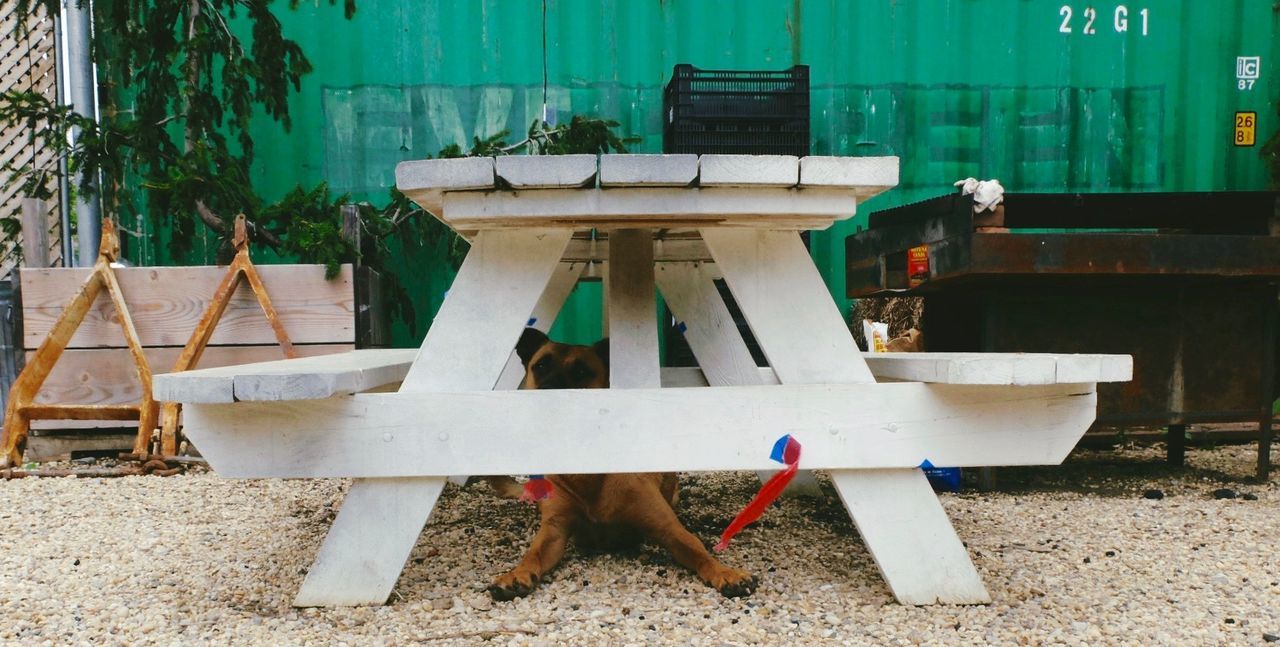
(182, 89)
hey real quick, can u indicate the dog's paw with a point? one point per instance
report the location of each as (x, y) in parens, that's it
(512, 585)
(733, 583)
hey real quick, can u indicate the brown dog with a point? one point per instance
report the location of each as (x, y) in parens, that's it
(602, 510)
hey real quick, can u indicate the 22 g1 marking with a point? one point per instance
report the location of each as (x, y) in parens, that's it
(1120, 20)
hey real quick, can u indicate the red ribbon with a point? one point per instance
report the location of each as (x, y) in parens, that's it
(786, 451)
(536, 489)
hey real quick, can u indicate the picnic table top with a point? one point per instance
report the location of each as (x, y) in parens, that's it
(661, 191)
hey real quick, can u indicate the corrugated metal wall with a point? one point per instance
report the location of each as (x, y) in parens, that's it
(1044, 95)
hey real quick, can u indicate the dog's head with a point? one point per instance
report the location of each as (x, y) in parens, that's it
(552, 365)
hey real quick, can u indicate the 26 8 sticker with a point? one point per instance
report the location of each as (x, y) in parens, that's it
(1246, 128)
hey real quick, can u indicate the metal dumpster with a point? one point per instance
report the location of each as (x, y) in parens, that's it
(1185, 282)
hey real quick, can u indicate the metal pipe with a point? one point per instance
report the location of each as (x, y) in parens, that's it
(81, 93)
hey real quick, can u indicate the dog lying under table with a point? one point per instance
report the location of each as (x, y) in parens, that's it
(600, 510)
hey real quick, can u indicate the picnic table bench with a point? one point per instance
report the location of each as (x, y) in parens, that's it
(674, 223)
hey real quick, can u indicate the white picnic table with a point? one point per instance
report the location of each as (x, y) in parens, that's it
(537, 226)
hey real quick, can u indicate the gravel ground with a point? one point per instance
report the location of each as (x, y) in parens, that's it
(1072, 555)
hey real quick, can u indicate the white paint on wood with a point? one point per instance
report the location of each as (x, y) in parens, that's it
(935, 368)
(909, 536)
(649, 207)
(664, 250)
(481, 319)
(558, 289)
(166, 303)
(707, 325)
(632, 314)
(445, 174)
(852, 426)
(748, 170)
(547, 171)
(871, 173)
(304, 378)
(682, 377)
(108, 376)
(424, 181)
(370, 541)
(999, 368)
(648, 170)
(787, 306)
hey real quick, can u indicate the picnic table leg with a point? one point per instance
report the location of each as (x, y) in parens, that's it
(365, 550)
(467, 347)
(807, 341)
(690, 291)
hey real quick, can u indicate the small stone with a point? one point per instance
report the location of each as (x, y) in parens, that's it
(1155, 495)
(1110, 553)
(481, 602)
(1249, 496)
(1224, 493)
(1270, 638)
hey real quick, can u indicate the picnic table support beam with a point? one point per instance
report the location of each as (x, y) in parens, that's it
(707, 326)
(807, 342)
(467, 347)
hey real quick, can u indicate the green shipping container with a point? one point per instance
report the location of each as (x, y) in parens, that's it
(1044, 95)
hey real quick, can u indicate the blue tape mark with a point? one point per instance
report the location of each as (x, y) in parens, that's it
(780, 447)
(535, 476)
(532, 320)
(926, 465)
(681, 327)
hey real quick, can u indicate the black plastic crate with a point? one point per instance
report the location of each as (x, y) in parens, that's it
(732, 111)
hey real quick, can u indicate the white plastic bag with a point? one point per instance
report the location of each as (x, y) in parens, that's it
(877, 334)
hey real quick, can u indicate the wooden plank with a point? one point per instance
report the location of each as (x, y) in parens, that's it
(787, 306)
(41, 448)
(466, 348)
(364, 551)
(497, 287)
(35, 233)
(748, 170)
(107, 375)
(304, 378)
(851, 426)
(648, 170)
(713, 336)
(632, 313)
(546, 171)
(915, 546)
(820, 171)
(664, 250)
(1000, 368)
(425, 181)
(166, 303)
(656, 207)
(707, 326)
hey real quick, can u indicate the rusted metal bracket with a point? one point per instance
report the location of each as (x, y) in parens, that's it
(22, 408)
(241, 268)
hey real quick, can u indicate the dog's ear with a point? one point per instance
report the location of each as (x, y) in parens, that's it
(602, 349)
(530, 341)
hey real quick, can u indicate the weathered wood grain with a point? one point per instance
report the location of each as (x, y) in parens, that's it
(849, 426)
(648, 170)
(777, 208)
(107, 375)
(166, 304)
(546, 171)
(305, 378)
